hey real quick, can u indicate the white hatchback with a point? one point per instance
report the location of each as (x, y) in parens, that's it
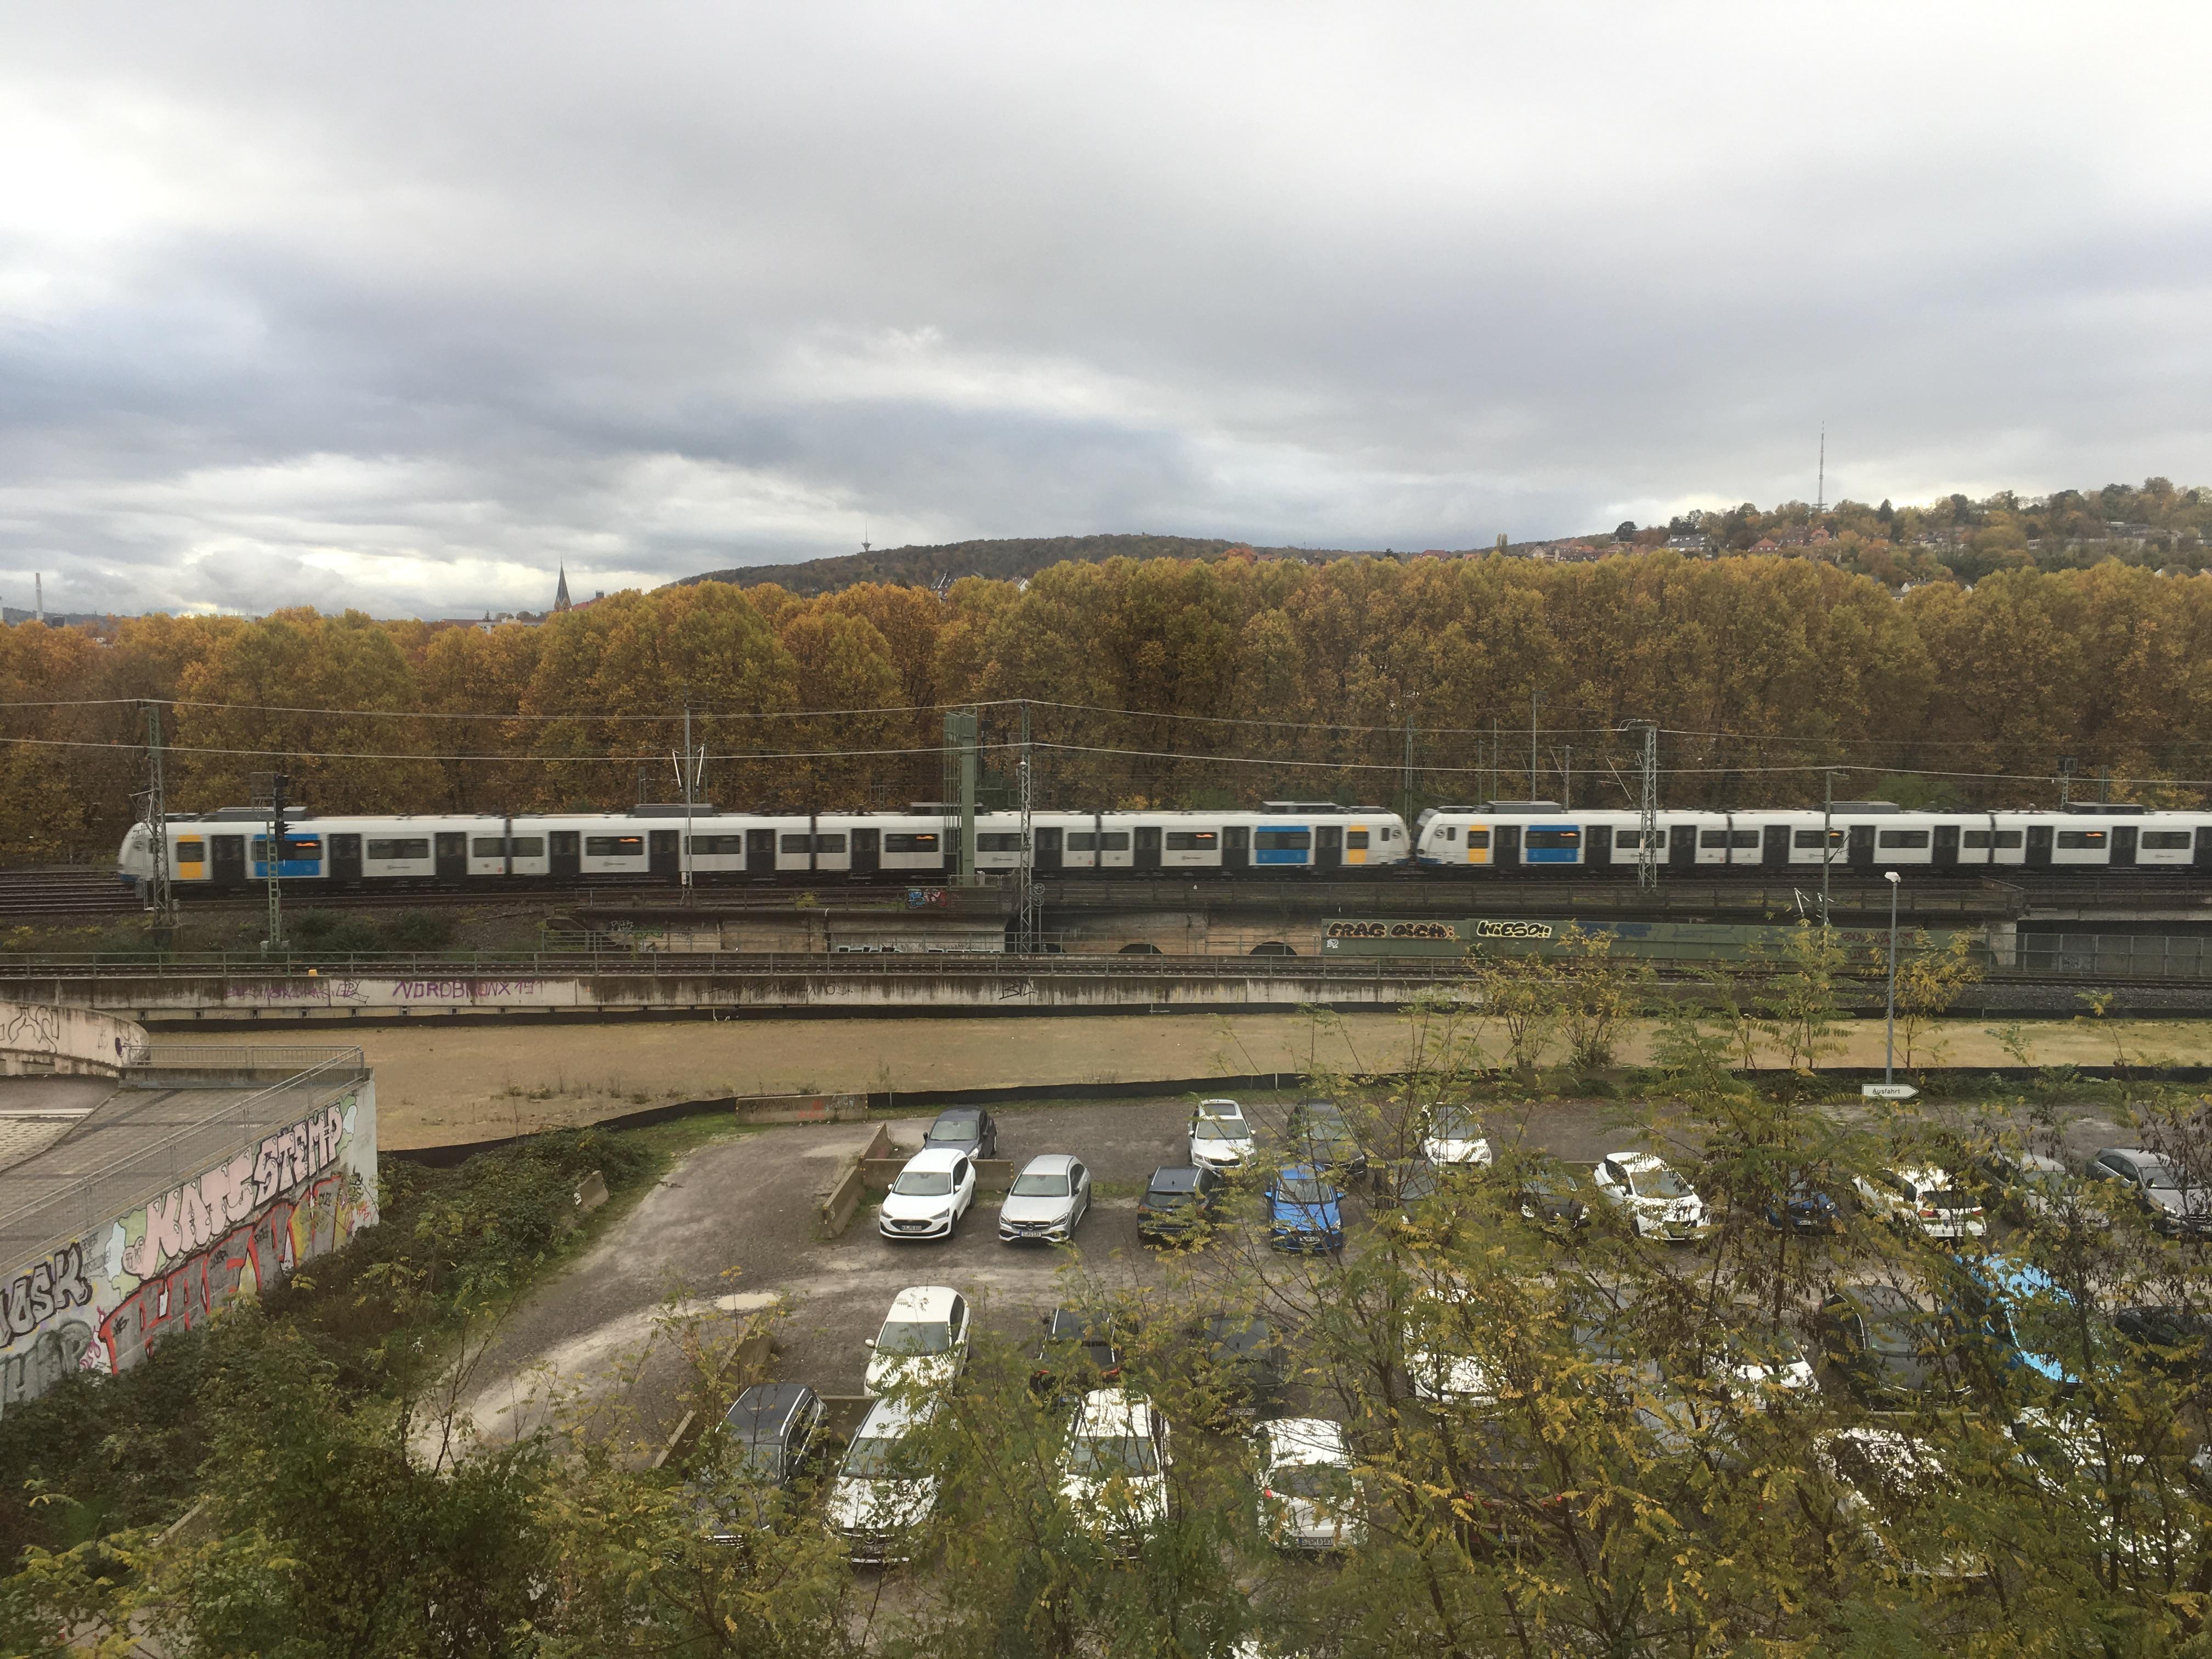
(1220, 1136)
(1921, 1197)
(1113, 1469)
(933, 1191)
(884, 1489)
(1307, 1499)
(1658, 1202)
(923, 1342)
(1452, 1139)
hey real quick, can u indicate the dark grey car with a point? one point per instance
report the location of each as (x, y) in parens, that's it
(968, 1129)
(768, 1433)
(2176, 1203)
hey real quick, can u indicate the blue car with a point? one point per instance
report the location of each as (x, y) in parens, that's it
(1305, 1210)
(2028, 1321)
(1804, 1209)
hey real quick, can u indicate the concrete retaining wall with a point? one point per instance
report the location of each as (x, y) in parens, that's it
(40, 1039)
(843, 1199)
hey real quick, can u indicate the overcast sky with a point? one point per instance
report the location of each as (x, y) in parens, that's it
(399, 305)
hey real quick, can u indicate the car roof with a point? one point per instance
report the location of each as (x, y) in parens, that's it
(1922, 1174)
(1072, 1324)
(1173, 1178)
(935, 1157)
(959, 1114)
(1636, 1160)
(1113, 1411)
(1306, 1440)
(1049, 1164)
(1297, 1172)
(924, 1302)
(893, 1415)
(2136, 1156)
(1220, 1109)
(765, 1410)
(1239, 1330)
(1879, 1298)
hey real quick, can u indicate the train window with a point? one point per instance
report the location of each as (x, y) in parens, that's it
(717, 846)
(1352, 838)
(1903, 838)
(1974, 838)
(828, 843)
(1281, 841)
(309, 848)
(488, 846)
(2081, 840)
(1811, 838)
(614, 847)
(1082, 841)
(1010, 841)
(1114, 841)
(1479, 840)
(1743, 837)
(1712, 838)
(1202, 840)
(395, 851)
(1552, 840)
(2008, 837)
(1450, 834)
(1634, 838)
(2154, 841)
(526, 846)
(190, 849)
(897, 841)
(793, 844)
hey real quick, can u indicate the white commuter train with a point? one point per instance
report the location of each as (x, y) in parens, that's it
(227, 850)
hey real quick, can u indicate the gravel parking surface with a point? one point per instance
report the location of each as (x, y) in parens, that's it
(732, 1229)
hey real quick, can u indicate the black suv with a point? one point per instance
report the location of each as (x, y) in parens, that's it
(1319, 1134)
(1242, 1365)
(968, 1129)
(1076, 1355)
(1180, 1202)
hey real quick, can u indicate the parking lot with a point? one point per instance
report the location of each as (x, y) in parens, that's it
(732, 1229)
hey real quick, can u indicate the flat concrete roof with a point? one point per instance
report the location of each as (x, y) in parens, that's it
(78, 1162)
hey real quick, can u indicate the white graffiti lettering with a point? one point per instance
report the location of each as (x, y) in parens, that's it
(192, 1216)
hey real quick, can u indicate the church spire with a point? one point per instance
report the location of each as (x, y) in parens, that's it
(560, 593)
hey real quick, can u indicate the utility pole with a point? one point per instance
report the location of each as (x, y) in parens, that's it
(1406, 780)
(160, 897)
(1827, 835)
(1025, 932)
(1889, 1036)
(1497, 758)
(272, 859)
(1647, 849)
(1567, 777)
(2066, 765)
(960, 728)
(1534, 697)
(687, 777)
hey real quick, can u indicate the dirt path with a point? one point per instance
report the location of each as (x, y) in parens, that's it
(442, 1084)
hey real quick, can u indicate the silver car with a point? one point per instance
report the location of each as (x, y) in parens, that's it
(1048, 1200)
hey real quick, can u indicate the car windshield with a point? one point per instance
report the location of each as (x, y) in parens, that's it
(761, 1458)
(955, 1126)
(1102, 1457)
(923, 1183)
(1167, 1198)
(1302, 1189)
(1451, 1124)
(1948, 1199)
(914, 1336)
(1315, 1482)
(1551, 1182)
(873, 1457)
(1215, 1128)
(1894, 1334)
(1657, 1182)
(1040, 1185)
(2163, 1177)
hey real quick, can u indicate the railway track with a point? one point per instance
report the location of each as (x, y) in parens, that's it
(74, 891)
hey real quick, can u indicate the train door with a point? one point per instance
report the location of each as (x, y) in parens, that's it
(452, 856)
(1506, 847)
(1858, 847)
(1682, 846)
(564, 853)
(868, 851)
(1047, 855)
(664, 854)
(2123, 844)
(1597, 844)
(1328, 847)
(1946, 845)
(2038, 846)
(229, 867)
(2204, 847)
(345, 860)
(760, 853)
(1148, 846)
(1774, 852)
(1237, 847)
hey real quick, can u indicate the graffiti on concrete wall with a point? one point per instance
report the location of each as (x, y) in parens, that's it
(102, 1303)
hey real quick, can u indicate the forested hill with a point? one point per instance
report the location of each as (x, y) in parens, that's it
(1005, 559)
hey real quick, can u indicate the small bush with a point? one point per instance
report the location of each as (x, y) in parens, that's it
(419, 930)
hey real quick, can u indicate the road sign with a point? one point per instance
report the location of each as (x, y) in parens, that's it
(1887, 1090)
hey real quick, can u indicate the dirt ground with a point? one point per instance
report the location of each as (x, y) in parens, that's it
(440, 1084)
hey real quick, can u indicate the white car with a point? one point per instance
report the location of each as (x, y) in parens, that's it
(1886, 1483)
(933, 1191)
(1432, 1349)
(1921, 1196)
(923, 1343)
(1453, 1139)
(1048, 1199)
(1308, 1498)
(1220, 1136)
(884, 1489)
(1113, 1469)
(1760, 1365)
(1658, 1202)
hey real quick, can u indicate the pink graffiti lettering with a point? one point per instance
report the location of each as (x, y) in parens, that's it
(189, 1216)
(289, 1231)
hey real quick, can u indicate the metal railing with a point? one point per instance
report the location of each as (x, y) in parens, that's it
(2116, 955)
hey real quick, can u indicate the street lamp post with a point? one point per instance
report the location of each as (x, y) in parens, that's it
(1889, 1036)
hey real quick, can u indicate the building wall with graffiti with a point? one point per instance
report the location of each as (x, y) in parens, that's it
(102, 1301)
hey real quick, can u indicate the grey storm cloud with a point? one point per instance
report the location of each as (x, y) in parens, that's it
(399, 305)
